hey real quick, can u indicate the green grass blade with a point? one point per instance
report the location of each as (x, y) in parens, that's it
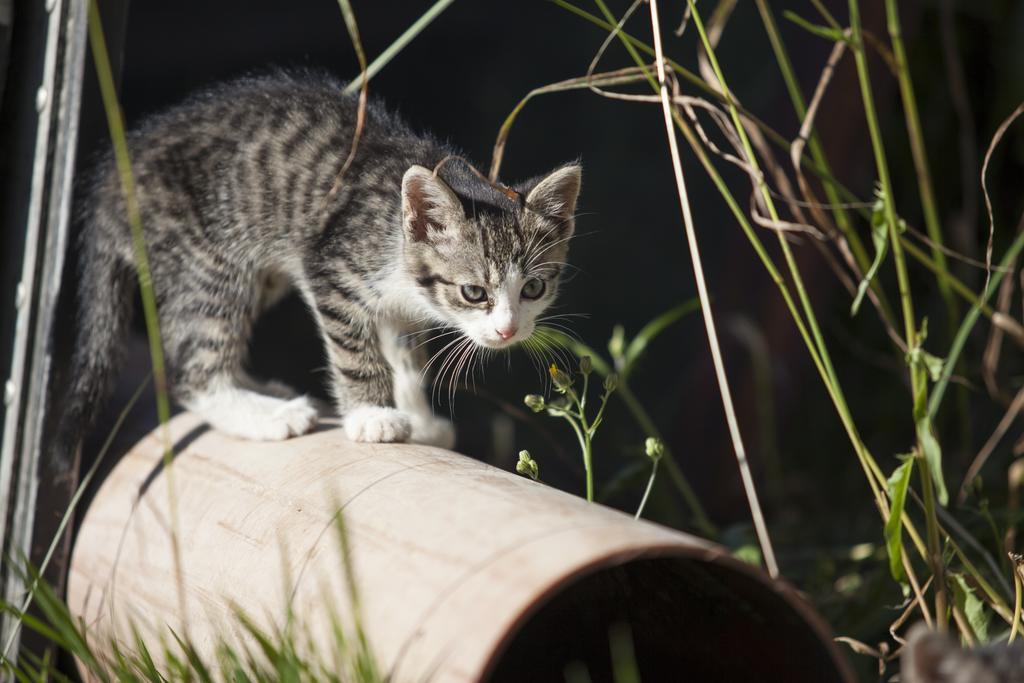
(400, 43)
(964, 331)
(655, 327)
(830, 34)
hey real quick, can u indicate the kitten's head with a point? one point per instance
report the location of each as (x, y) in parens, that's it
(484, 263)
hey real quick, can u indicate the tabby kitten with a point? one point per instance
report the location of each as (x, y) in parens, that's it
(931, 657)
(236, 188)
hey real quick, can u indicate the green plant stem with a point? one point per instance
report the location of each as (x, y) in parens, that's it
(394, 48)
(633, 44)
(918, 380)
(872, 471)
(813, 143)
(933, 225)
(1016, 605)
(578, 422)
(69, 512)
(996, 601)
(647, 491)
(934, 549)
(585, 435)
(971, 318)
(749, 488)
(876, 479)
(119, 140)
(919, 154)
(882, 166)
(956, 285)
(647, 426)
(115, 121)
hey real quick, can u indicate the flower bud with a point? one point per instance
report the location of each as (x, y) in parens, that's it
(654, 448)
(562, 381)
(557, 404)
(527, 466)
(586, 365)
(611, 382)
(534, 402)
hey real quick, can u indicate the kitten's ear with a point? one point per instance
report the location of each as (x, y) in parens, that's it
(555, 196)
(427, 203)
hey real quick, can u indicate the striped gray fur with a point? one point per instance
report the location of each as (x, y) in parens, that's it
(234, 188)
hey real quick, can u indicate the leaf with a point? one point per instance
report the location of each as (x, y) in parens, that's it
(653, 329)
(880, 238)
(825, 32)
(972, 607)
(750, 553)
(918, 360)
(933, 364)
(898, 483)
(932, 453)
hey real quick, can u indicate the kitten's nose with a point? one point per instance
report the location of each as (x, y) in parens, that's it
(507, 333)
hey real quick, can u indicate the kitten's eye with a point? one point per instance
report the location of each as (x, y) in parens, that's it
(474, 294)
(533, 288)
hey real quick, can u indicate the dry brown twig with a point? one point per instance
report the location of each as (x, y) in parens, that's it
(757, 514)
(1000, 431)
(357, 134)
(994, 345)
(984, 187)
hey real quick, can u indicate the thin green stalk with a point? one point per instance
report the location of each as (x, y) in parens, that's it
(119, 140)
(882, 166)
(876, 479)
(115, 121)
(787, 251)
(934, 549)
(817, 346)
(633, 44)
(918, 379)
(919, 153)
(72, 505)
(1016, 605)
(813, 143)
(997, 603)
(647, 491)
(583, 436)
(956, 285)
(700, 517)
(647, 426)
(394, 48)
(750, 489)
(970, 319)
(588, 452)
(872, 471)
(589, 428)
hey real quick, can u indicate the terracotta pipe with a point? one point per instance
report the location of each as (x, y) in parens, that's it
(464, 572)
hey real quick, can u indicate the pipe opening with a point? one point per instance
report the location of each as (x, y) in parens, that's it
(689, 619)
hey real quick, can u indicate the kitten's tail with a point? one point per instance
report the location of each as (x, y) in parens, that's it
(102, 294)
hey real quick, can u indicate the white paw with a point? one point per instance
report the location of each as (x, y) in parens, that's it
(433, 431)
(375, 424)
(253, 416)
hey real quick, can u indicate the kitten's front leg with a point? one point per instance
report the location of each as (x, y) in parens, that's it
(407, 361)
(362, 382)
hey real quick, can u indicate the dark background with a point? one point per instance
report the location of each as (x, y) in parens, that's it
(463, 75)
